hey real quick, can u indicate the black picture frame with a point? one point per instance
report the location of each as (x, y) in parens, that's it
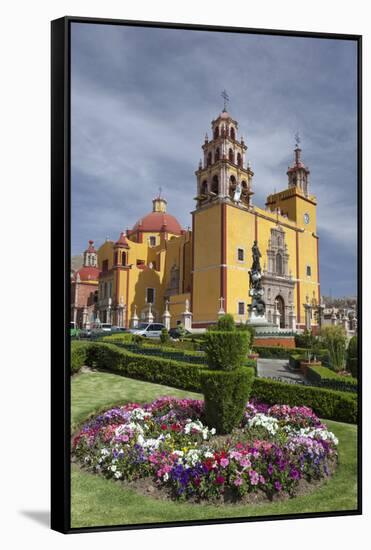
(61, 266)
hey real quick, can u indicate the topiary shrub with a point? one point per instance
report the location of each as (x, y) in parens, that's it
(226, 350)
(334, 340)
(226, 394)
(165, 338)
(78, 356)
(226, 386)
(226, 323)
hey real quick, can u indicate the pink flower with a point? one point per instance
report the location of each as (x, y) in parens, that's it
(235, 454)
(219, 480)
(245, 462)
(254, 477)
(125, 437)
(238, 481)
(224, 462)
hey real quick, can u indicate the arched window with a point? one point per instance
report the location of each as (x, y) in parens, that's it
(244, 185)
(269, 293)
(232, 185)
(279, 265)
(216, 132)
(239, 160)
(230, 155)
(215, 185)
(233, 133)
(209, 159)
(204, 188)
(217, 154)
(123, 258)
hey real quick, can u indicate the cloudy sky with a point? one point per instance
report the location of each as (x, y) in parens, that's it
(142, 100)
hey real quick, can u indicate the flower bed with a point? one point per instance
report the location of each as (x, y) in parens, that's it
(274, 450)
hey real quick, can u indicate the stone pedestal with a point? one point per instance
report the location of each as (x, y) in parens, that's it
(187, 320)
(149, 315)
(134, 319)
(308, 316)
(292, 320)
(187, 317)
(85, 317)
(276, 318)
(166, 316)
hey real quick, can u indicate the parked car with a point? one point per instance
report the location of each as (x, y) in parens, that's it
(119, 329)
(85, 333)
(148, 330)
(74, 330)
(106, 327)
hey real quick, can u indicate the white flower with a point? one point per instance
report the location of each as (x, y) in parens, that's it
(208, 454)
(178, 453)
(166, 476)
(117, 475)
(113, 468)
(268, 422)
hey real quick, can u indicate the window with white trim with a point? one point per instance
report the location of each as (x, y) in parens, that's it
(150, 295)
(240, 254)
(152, 240)
(241, 308)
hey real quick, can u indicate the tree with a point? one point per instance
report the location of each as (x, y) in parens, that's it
(334, 340)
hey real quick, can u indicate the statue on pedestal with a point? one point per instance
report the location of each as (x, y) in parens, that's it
(256, 290)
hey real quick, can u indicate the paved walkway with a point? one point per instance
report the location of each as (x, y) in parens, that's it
(277, 368)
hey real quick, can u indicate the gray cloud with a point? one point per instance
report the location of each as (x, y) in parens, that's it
(142, 100)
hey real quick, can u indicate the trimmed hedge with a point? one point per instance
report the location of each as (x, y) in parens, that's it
(325, 377)
(78, 355)
(120, 337)
(226, 350)
(226, 394)
(164, 352)
(352, 356)
(331, 404)
(151, 369)
(335, 405)
(278, 352)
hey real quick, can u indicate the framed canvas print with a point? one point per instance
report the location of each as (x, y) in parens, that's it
(206, 326)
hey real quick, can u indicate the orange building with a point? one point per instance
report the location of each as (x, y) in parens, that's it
(157, 270)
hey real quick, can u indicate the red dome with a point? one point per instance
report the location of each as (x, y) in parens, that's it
(158, 221)
(88, 273)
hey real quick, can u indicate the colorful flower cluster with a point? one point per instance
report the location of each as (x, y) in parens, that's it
(274, 448)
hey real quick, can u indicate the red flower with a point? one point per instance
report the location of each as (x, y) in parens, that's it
(209, 464)
(219, 480)
(163, 427)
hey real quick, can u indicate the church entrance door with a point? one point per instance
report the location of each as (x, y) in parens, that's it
(281, 309)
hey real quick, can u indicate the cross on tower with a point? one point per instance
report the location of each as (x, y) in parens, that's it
(297, 139)
(225, 96)
(159, 192)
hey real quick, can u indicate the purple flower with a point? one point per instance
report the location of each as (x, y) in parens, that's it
(277, 486)
(295, 474)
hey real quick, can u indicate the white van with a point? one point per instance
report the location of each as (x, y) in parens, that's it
(148, 330)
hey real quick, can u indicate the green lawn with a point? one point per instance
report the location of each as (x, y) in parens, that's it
(97, 501)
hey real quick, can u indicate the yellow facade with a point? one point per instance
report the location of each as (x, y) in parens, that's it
(155, 267)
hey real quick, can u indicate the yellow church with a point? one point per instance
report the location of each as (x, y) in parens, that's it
(161, 272)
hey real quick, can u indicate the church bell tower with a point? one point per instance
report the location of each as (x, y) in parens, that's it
(223, 172)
